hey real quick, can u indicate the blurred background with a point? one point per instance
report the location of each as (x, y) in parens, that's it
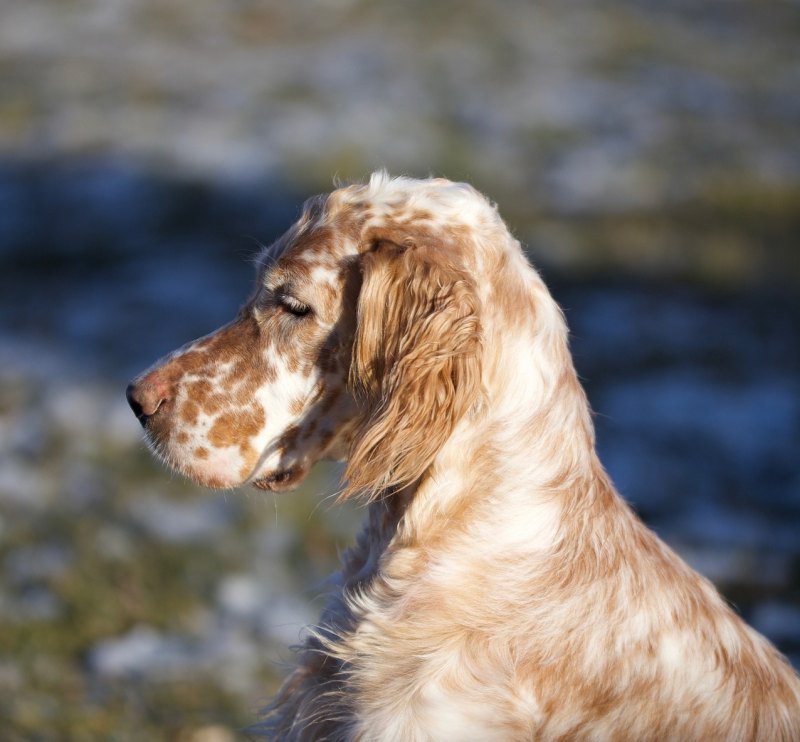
(646, 153)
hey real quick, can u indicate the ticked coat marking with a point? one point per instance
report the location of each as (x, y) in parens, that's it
(500, 588)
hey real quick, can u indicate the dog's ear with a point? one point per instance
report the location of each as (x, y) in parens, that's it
(416, 362)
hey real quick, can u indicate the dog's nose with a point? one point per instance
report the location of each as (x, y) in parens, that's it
(145, 397)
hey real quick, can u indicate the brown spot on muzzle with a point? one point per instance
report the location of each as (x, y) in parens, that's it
(236, 428)
(188, 382)
(189, 412)
(224, 431)
(236, 343)
(191, 362)
(206, 396)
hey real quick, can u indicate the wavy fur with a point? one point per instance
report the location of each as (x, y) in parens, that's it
(500, 588)
(415, 364)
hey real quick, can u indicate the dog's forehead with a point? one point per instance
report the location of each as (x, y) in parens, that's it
(321, 240)
(335, 227)
(320, 245)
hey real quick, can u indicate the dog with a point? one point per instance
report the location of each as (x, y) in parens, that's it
(500, 588)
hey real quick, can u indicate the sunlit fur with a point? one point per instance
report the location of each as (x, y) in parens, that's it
(500, 588)
(416, 365)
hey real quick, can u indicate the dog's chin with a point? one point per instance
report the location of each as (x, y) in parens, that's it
(210, 481)
(202, 475)
(281, 480)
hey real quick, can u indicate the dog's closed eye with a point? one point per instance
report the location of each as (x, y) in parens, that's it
(293, 306)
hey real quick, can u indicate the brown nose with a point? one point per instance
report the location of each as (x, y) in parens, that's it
(146, 395)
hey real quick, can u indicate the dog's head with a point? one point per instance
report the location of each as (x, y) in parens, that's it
(361, 341)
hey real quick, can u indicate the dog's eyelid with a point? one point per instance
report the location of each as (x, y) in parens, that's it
(291, 304)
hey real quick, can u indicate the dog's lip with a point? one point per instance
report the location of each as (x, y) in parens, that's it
(280, 480)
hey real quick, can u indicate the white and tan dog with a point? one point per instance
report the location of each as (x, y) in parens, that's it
(500, 588)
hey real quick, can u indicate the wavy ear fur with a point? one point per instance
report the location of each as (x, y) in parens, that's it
(416, 362)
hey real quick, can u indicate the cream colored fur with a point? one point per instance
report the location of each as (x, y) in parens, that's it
(508, 592)
(500, 588)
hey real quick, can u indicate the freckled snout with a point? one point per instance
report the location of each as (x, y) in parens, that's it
(147, 394)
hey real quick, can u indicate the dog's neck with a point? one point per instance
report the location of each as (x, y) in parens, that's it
(508, 499)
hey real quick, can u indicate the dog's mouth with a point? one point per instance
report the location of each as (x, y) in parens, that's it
(281, 480)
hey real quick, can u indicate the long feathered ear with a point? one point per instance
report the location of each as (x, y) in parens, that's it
(416, 362)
